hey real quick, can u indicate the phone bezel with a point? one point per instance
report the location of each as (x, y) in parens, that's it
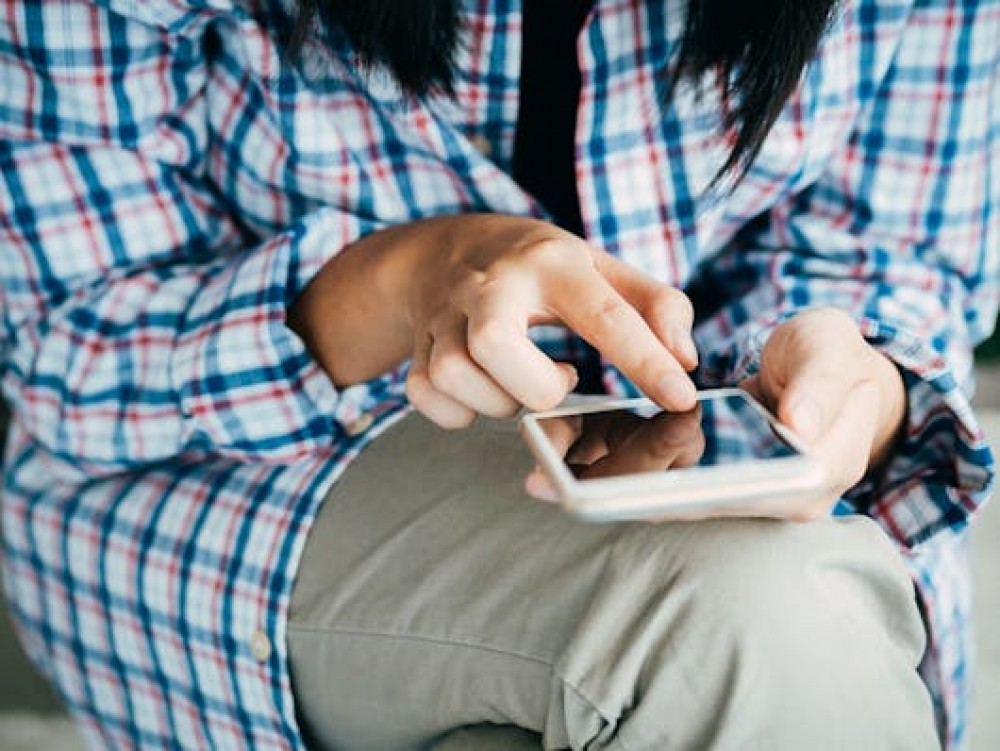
(692, 489)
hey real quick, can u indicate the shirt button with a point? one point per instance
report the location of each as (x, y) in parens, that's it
(260, 646)
(482, 145)
(360, 425)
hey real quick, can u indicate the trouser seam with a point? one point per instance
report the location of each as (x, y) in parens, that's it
(441, 641)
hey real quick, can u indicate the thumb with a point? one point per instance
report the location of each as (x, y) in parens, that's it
(854, 425)
(846, 447)
(811, 402)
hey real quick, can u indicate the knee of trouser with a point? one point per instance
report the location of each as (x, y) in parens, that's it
(752, 634)
(785, 582)
(754, 593)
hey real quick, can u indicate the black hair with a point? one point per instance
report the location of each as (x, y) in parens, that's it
(415, 39)
(757, 49)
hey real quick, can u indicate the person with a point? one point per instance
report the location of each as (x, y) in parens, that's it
(251, 247)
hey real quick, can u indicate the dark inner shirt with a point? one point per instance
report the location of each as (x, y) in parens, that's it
(544, 146)
(545, 143)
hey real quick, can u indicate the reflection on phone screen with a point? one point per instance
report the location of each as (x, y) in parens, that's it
(719, 431)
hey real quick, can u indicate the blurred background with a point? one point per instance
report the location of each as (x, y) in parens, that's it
(31, 717)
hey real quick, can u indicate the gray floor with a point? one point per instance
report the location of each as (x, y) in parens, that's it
(31, 719)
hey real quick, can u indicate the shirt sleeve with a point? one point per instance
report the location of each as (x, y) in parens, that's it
(143, 318)
(902, 231)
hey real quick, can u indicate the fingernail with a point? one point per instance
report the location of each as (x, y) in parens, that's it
(807, 418)
(677, 390)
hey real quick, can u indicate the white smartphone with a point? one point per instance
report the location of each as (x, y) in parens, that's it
(615, 460)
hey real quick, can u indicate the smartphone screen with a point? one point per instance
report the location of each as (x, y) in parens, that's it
(719, 431)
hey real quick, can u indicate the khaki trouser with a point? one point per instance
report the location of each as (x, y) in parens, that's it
(439, 607)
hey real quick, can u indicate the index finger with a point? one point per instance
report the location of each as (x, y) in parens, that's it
(586, 302)
(498, 342)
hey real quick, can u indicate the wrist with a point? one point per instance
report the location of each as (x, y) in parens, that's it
(353, 316)
(893, 411)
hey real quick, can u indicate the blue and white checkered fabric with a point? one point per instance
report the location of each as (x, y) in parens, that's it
(170, 182)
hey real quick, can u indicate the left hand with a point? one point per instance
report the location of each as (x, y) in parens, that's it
(840, 395)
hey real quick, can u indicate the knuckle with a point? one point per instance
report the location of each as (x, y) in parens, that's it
(447, 371)
(604, 313)
(487, 338)
(427, 400)
(655, 367)
(551, 252)
(418, 388)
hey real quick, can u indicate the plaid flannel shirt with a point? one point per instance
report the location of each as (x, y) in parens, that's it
(171, 181)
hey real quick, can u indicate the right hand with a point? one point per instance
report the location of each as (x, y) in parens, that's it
(473, 298)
